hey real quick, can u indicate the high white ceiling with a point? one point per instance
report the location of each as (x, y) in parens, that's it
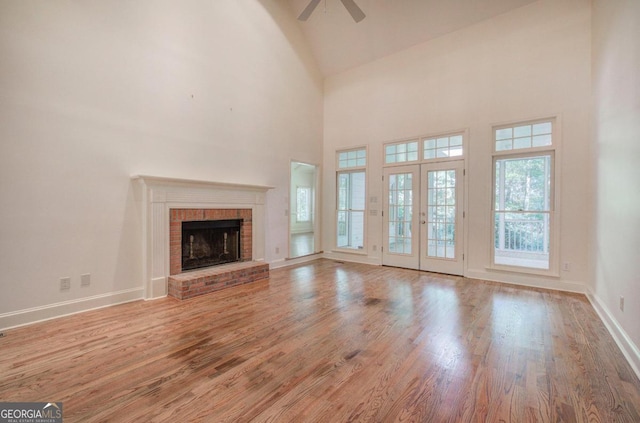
(338, 43)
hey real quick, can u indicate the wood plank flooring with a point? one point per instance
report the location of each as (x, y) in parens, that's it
(330, 342)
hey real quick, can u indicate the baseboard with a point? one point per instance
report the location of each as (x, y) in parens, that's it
(292, 261)
(528, 280)
(352, 258)
(158, 288)
(626, 345)
(52, 311)
(274, 264)
(336, 256)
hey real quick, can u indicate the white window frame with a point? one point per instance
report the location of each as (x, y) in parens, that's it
(309, 204)
(403, 146)
(347, 170)
(437, 137)
(553, 151)
(464, 133)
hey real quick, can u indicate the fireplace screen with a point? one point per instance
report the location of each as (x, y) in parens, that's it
(210, 243)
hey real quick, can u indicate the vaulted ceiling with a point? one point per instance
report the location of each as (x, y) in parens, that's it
(339, 43)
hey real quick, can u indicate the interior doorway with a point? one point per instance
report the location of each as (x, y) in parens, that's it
(303, 199)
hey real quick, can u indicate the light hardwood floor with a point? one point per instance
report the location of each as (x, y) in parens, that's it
(330, 342)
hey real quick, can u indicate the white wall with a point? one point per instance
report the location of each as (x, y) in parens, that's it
(92, 93)
(616, 145)
(532, 62)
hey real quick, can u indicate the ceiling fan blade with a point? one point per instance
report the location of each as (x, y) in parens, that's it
(308, 10)
(356, 13)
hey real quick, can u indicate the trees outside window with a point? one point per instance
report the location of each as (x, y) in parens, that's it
(522, 211)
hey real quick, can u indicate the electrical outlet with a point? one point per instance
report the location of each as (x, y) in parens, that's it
(621, 303)
(277, 250)
(65, 284)
(566, 266)
(85, 280)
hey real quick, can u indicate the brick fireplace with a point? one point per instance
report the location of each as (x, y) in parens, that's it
(178, 216)
(166, 203)
(187, 284)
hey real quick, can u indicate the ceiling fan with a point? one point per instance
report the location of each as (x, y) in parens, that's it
(356, 13)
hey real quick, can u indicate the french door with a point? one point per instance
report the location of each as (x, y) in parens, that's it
(423, 220)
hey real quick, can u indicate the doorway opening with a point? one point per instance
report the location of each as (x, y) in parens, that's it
(303, 199)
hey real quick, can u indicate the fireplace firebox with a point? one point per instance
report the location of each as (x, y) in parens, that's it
(210, 243)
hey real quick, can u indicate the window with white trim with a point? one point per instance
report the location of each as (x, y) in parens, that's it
(524, 136)
(352, 158)
(350, 198)
(523, 195)
(425, 149)
(442, 147)
(401, 152)
(303, 204)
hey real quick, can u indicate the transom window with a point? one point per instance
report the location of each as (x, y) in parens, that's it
(401, 152)
(425, 149)
(524, 136)
(442, 147)
(352, 158)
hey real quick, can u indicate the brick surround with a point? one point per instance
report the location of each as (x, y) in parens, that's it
(184, 285)
(177, 216)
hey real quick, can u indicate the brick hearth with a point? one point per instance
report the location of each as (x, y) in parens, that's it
(191, 284)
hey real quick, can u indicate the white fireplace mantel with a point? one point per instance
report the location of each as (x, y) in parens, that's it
(158, 195)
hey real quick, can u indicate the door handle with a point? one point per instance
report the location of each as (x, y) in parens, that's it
(423, 222)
